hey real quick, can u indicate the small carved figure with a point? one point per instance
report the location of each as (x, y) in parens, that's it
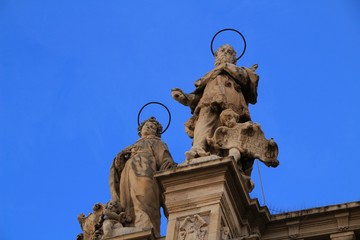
(226, 86)
(245, 142)
(224, 232)
(91, 223)
(131, 177)
(114, 218)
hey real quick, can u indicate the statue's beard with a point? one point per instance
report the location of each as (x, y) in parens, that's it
(224, 59)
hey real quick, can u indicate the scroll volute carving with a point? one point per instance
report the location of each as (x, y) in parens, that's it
(342, 220)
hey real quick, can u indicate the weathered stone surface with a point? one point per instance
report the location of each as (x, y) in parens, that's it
(91, 224)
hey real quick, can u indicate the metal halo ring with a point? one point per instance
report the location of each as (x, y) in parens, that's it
(159, 103)
(228, 29)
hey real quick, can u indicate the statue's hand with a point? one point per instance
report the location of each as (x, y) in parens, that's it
(198, 82)
(124, 217)
(210, 140)
(222, 66)
(179, 95)
(217, 70)
(254, 67)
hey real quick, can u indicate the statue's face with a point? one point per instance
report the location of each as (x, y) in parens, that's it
(112, 205)
(228, 120)
(149, 129)
(226, 54)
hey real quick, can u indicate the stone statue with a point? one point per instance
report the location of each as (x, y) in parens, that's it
(221, 124)
(226, 86)
(131, 177)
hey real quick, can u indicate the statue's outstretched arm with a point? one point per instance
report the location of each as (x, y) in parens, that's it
(190, 99)
(181, 97)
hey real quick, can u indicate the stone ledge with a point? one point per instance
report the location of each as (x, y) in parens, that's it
(136, 235)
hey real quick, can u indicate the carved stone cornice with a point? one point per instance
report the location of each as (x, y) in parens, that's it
(315, 222)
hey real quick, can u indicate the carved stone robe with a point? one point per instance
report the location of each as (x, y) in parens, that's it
(214, 94)
(132, 182)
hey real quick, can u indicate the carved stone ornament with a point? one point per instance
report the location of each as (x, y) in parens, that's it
(91, 224)
(248, 139)
(114, 219)
(224, 233)
(193, 228)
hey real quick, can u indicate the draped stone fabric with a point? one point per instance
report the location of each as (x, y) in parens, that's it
(133, 184)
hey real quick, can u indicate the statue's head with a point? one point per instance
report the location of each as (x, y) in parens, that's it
(225, 54)
(113, 205)
(229, 118)
(150, 127)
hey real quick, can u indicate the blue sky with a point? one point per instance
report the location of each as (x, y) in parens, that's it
(74, 74)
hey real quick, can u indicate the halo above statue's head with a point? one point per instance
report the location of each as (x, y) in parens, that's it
(168, 111)
(228, 29)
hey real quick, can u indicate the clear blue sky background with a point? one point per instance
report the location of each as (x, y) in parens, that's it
(74, 74)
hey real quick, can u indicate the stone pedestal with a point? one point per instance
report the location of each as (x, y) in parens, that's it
(207, 200)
